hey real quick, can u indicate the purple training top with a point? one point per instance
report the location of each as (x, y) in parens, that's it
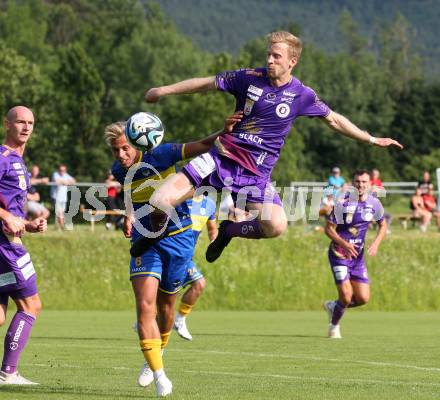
(269, 112)
(352, 219)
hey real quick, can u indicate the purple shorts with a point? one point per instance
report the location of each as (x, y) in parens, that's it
(217, 171)
(344, 269)
(17, 273)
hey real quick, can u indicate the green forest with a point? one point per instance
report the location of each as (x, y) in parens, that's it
(82, 64)
(218, 25)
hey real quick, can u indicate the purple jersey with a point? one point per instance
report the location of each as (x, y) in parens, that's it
(352, 219)
(14, 182)
(268, 116)
(17, 273)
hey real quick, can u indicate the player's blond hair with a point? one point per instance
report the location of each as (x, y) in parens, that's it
(294, 43)
(114, 131)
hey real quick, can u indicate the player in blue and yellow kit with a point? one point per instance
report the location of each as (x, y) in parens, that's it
(159, 274)
(202, 213)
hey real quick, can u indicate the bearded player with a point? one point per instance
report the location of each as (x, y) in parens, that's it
(347, 227)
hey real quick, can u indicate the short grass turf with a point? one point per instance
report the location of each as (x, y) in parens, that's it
(237, 355)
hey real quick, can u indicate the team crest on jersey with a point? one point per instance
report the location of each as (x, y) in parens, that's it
(349, 218)
(248, 106)
(283, 110)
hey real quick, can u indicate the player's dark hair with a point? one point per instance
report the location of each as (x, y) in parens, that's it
(359, 172)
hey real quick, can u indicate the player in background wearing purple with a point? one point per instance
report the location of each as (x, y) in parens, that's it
(17, 273)
(270, 99)
(347, 227)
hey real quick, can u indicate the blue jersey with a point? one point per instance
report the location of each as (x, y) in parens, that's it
(202, 210)
(151, 169)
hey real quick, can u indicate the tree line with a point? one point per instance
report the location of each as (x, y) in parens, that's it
(81, 65)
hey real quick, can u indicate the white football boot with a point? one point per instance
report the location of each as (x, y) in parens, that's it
(146, 376)
(14, 379)
(181, 328)
(334, 331)
(164, 387)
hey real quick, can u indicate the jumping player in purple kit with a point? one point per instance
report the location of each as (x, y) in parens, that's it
(17, 273)
(347, 227)
(268, 100)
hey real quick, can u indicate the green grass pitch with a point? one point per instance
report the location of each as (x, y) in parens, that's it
(237, 355)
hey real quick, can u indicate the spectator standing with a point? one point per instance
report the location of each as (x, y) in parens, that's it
(58, 193)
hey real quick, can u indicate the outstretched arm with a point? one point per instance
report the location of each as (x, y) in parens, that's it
(194, 85)
(194, 149)
(345, 127)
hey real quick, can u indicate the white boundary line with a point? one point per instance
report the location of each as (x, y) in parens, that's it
(317, 378)
(294, 357)
(256, 355)
(303, 378)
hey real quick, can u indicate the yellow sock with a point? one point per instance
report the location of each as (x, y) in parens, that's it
(152, 354)
(185, 309)
(165, 338)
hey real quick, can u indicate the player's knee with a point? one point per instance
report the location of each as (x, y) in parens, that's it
(37, 307)
(281, 226)
(345, 298)
(363, 299)
(274, 227)
(164, 308)
(31, 306)
(199, 285)
(146, 309)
